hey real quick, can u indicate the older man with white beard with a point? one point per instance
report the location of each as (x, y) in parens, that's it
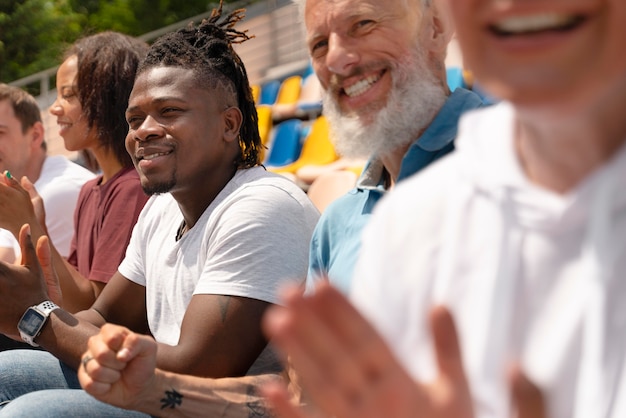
(381, 66)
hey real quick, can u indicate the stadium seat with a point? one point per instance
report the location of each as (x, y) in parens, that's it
(316, 149)
(286, 145)
(256, 92)
(269, 91)
(289, 91)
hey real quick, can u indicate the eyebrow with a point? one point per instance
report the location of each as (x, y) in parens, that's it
(159, 100)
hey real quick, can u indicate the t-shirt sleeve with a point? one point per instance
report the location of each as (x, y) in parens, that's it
(260, 243)
(317, 261)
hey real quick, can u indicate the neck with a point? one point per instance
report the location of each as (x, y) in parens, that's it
(392, 161)
(109, 165)
(35, 165)
(196, 197)
(558, 152)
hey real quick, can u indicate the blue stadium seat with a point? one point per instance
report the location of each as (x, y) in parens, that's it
(269, 92)
(286, 145)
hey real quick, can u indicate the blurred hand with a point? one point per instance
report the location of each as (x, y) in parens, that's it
(16, 208)
(348, 370)
(21, 285)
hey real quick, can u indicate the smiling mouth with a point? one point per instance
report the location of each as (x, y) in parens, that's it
(152, 156)
(535, 24)
(361, 86)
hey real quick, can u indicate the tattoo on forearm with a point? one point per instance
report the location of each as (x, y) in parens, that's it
(172, 399)
(256, 406)
(224, 301)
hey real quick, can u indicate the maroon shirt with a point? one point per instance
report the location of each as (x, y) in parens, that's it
(104, 218)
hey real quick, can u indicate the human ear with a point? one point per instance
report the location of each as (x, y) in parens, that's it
(441, 24)
(37, 135)
(232, 118)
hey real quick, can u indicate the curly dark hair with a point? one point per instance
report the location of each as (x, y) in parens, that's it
(107, 64)
(207, 50)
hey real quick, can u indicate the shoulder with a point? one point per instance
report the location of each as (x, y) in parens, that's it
(125, 183)
(60, 166)
(260, 188)
(60, 176)
(344, 210)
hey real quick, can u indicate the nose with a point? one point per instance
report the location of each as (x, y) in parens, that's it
(148, 130)
(342, 55)
(55, 108)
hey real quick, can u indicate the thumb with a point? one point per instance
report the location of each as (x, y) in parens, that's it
(447, 346)
(29, 187)
(29, 256)
(44, 255)
(527, 399)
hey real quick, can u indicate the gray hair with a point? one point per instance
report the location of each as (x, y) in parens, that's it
(302, 3)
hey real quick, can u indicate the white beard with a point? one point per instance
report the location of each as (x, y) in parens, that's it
(415, 98)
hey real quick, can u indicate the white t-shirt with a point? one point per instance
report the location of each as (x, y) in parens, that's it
(58, 185)
(529, 275)
(252, 239)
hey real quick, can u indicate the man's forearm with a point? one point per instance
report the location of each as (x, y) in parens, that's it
(175, 395)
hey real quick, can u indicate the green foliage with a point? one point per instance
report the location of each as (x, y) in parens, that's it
(137, 17)
(34, 33)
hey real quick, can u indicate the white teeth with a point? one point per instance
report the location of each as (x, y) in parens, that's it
(361, 86)
(534, 23)
(156, 154)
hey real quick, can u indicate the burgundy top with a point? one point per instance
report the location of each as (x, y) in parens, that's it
(104, 218)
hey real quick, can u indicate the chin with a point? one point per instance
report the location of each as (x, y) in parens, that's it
(154, 188)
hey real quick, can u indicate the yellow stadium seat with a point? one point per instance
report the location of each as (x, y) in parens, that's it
(289, 91)
(256, 92)
(264, 113)
(316, 150)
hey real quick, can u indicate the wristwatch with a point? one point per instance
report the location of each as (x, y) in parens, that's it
(33, 320)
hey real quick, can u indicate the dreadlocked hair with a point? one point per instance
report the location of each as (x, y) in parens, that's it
(207, 50)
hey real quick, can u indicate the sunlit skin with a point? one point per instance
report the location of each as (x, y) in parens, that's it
(357, 42)
(73, 127)
(566, 79)
(20, 151)
(577, 56)
(182, 137)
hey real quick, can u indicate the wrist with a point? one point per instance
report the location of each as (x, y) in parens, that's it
(33, 321)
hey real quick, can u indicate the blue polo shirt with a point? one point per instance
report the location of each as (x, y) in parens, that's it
(337, 237)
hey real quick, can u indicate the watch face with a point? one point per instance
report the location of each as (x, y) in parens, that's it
(31, 322)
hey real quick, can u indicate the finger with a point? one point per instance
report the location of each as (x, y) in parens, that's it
(29, 187)
(103, 354)
(44, 255)
(9, 180)
(113, 335)
(92, 386)
(29, 255)
(447, 346)
(526, 397)
(318, 376)
(279, 401)
(354, 332)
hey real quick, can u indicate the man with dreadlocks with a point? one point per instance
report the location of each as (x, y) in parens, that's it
(213, 244)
